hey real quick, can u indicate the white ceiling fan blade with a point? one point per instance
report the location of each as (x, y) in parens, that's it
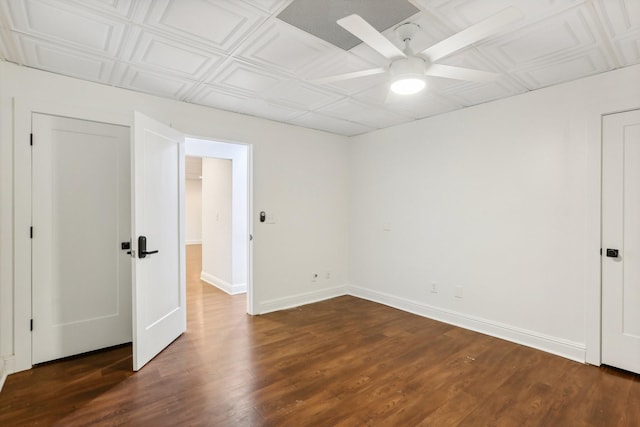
(472, 34)
(365, 32)
(459, 73)
(347, 76)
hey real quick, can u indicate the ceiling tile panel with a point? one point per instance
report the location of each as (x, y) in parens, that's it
(344, 108)
(173, 57)
(58, 21)
(621, 19)
(8, 44)
(546, 40)
(329, 124)
(271, 6)
(364, 114)
(251, 80)
(122, 8)
(425, 105)
(629, 48)
(302, 95)
(269, 110)
(280, 46)
(353, 86)
(217, 97)
(469, 93)
(221, 24)
(460, 14)
(52, 57)
(154, 83)
(568, 68)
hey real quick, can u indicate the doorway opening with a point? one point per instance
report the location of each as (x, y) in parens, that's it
(220, 172)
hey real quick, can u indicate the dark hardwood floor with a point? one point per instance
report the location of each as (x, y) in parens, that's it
(342, 362)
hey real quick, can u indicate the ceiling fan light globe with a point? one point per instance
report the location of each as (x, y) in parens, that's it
(407, 75)
(408, 86)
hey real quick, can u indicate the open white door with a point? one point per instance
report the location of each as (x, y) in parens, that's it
(159, 291)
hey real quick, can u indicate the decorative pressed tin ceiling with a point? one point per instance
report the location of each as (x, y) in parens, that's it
(238, 55)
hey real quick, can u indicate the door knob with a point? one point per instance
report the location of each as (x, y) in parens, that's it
(142, 247)
(612, 253)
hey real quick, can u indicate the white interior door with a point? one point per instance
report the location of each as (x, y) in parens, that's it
(159, 291)
(81, 214)
(621, 232)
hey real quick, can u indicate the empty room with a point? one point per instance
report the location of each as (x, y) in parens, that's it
(430, 208)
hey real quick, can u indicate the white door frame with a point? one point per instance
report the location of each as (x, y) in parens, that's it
(22, 295)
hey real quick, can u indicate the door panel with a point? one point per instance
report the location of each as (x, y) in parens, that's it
(621, 230)
(159, 291)
(81, 213)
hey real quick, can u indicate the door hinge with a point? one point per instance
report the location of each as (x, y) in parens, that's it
(31, 140)
(31, 325)
(31, 232)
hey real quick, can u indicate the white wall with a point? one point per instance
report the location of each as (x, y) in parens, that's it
(216, 227)
(297, 172)
(193, 211)
(501, 199)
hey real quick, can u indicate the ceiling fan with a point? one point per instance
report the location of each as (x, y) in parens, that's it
(407, 70)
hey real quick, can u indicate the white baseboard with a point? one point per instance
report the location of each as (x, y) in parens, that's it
(193, 242)
(6, 368)
(299, 299)
(558, 346)
(223, 285)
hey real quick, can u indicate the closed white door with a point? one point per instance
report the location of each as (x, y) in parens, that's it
(621, 241)
(159, 282)
(81, 214)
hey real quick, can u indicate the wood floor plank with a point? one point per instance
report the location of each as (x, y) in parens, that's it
(341, 362)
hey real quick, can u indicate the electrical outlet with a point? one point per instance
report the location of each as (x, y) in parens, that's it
(314, 277)
(434, 288)
(459, 292)
(327, 275)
